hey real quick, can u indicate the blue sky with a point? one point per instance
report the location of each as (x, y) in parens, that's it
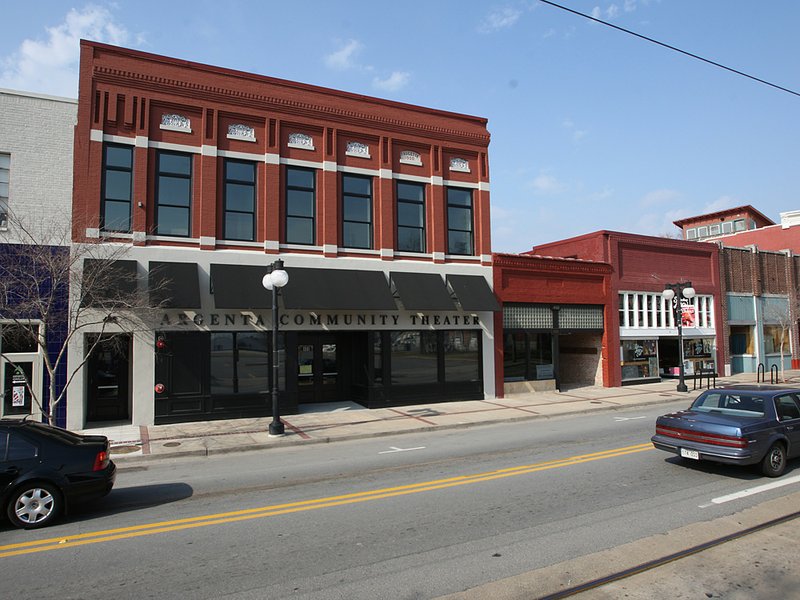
(591, 128)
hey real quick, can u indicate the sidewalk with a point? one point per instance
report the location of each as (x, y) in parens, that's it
(322, 423)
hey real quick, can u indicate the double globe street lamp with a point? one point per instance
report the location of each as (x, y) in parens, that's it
(673, 292)
(276, 278)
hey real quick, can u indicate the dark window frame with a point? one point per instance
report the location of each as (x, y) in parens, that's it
(411, 202)
(226, 210)
(105, 200)
(173, 175)
(452, 230)
(290, 216)
(345, 220)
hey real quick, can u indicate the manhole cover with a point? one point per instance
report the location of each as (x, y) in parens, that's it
(171, 444)
(125, 449)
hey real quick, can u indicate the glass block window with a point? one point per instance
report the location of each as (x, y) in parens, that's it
(527, 316)
(580, 317)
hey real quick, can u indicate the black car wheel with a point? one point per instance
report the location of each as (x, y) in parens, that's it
(774, 463)
(34, 505)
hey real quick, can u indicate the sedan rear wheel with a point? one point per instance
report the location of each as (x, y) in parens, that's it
(34, 505)
(774, 463)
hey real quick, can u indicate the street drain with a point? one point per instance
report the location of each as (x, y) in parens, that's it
(172, 444)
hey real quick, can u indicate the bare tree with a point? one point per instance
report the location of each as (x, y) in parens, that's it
(782, 315)
(52, 292)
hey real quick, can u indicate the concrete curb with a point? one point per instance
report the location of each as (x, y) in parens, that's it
(122, 459)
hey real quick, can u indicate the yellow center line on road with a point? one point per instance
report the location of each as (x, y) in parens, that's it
(109, 535)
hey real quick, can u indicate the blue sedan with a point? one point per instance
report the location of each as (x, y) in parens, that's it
(741, 424)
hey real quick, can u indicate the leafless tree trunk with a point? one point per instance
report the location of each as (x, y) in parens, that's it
(53, 291)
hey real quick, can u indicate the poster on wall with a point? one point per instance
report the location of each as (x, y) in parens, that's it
(18, 396)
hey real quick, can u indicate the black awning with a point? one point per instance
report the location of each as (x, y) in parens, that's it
(173, 285)
(109, 282)
(473, 292)
(337, 289)
(422, 291)
(239, 286)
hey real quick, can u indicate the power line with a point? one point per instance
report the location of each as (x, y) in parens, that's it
(673, 48)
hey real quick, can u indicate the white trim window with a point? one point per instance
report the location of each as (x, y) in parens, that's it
(649, 310)
(5, 180)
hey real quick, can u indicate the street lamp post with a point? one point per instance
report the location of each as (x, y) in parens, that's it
(274, 279)
(673, 292)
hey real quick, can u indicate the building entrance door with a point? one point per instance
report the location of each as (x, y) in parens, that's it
(109, 391)
(21, 373)
(317, 367)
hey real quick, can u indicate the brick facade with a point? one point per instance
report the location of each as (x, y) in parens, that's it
(643, 265)
(211, 116)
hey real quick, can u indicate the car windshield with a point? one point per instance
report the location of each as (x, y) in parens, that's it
(730, 403)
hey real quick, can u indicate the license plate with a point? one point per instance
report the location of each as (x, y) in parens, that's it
(693, 454)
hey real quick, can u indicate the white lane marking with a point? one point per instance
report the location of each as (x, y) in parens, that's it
(395, 449)
(620, 419)
(752, 491)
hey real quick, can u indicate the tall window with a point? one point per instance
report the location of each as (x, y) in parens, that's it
(459, 221)
(240, 200)
(117, 187)
(356, 211)
(173, 194)
(5, 179)
(410, 217)
(300, 205)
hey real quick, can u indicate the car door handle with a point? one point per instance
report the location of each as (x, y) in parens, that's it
(10, 471)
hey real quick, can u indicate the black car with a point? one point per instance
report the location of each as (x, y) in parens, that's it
(44, 471)
(740, 424)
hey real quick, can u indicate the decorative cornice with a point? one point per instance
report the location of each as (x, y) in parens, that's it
(533, 263)
(206, 93)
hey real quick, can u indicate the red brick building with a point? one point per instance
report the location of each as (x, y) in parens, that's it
(379, 210)
(724, 222)
(552, 319)
(640, 338)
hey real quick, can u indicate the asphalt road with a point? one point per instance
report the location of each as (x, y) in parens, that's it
(412, 516)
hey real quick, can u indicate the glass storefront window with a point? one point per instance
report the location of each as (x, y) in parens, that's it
(774, 336)
(639, 359)
(741, 340)
(461, 356)
(377, 358)
(19, 338)
(240, 363)
(414, 357)
(527, 355)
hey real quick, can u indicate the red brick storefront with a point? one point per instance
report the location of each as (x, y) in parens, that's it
(636, 316)
(557, 303)
(378, 209)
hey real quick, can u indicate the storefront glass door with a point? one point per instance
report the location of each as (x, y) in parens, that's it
(108, 367)
(317, 368)
(21, 373)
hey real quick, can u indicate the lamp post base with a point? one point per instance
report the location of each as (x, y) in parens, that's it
(276, 428)
(682, 387)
